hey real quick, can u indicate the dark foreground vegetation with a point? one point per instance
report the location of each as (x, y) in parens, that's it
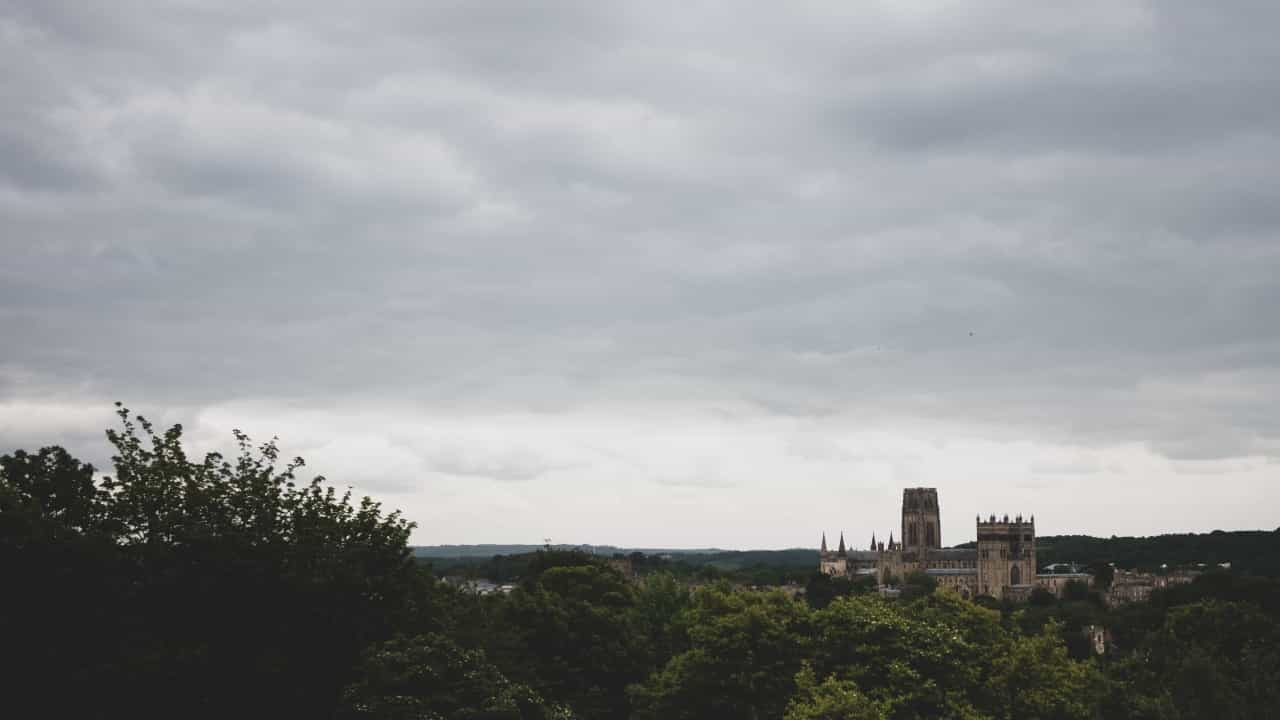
(220, 587)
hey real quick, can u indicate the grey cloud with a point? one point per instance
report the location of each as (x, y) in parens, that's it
(554, 207)
(1208, 467)
(1076, 466)
(512, 465)
(698, 480)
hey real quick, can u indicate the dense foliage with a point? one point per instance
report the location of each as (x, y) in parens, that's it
(217, 587)
(212, 585)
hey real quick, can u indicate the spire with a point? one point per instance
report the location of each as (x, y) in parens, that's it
(841, 542)
(824, 542)
(890, 539)
(873, 541)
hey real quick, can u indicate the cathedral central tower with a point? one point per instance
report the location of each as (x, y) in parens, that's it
(921, 522)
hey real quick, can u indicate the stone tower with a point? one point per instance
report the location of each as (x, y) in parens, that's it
(1006, 556)
(921, 521)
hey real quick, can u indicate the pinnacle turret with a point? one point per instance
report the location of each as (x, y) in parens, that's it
(841, 550)
(824, 542)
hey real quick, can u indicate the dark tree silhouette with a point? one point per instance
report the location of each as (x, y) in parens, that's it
(209, 587)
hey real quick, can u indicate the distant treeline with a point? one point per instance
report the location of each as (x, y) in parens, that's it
(752, 567)
(489, 550)
(1254, 552)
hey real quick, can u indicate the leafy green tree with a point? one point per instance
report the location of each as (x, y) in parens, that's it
(428, 676)
(198, 575)
(1035, 678)
(987, 602)
(47, 496)
(1209, 659)
(745, 649)
(1041, 597)
(573, 634)
(917, 585)
(979, 627)
(62, 573)
(822, 588)
(832, 699)
(659, 613)
(907, 657)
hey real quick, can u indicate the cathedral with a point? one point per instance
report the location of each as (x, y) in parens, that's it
(1002, 566)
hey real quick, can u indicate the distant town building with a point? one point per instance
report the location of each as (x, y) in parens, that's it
(1056, 582)
(480, 586)
(1002, 566)
(1130, 587)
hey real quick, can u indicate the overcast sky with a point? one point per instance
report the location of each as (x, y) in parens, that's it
(687, 274)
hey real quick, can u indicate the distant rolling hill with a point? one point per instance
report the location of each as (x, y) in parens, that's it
(1248, 551)
(488, 551)
(721, 559)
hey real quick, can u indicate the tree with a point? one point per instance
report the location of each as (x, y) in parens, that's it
(1041, 597)
(660, 609)
(573, 634)
(822, 588)
(1036, 678)
(196, 576)
(1208, 659)
(428, 676)
(987, 602)
(1103, 574)
(62, 574)
(917, 585)
(51, 490)
(926, 659)
(1077, 591)
(833, 699)
(745, 649)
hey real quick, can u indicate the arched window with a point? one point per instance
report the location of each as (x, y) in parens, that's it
(1015, 575)
(928, 534)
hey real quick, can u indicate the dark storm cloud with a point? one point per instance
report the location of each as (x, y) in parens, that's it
(1060, 223)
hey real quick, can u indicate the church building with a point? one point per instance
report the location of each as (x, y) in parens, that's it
(1002, 566)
